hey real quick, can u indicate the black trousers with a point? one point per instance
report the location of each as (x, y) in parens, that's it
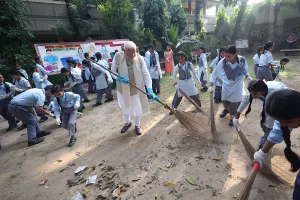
(156, 85)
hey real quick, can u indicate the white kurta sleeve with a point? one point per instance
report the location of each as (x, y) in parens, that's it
(157, 59)
(175, 72)
(146, 75)
(245, 69)
(114, 68)
(97, 67)
(204, 60)
(214, 75)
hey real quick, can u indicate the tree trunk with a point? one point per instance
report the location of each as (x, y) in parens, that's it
(197, 13)
(238, 21)
(190, 6)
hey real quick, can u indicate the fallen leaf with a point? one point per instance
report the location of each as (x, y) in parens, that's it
(164, 169)
(59, 160)
(190, 181)
(270, 185)
(169, 184)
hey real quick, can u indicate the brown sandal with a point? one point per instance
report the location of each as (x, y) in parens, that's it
(125, 128)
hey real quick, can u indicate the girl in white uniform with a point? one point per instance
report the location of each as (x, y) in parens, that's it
(256, 58)
(232, 69)
(218, 83)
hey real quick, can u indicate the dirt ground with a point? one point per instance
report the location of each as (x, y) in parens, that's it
(165, 163)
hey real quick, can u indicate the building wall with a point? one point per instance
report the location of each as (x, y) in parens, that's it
(44, 14)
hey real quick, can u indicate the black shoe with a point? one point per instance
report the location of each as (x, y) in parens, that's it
(23, 126)
(80, 110)
(125, 128)
(97, 104)
(230, 122)
(43, 119)
(204, 89)
(224, 113)
(108, 100)
(105, 97)
(72, 141)
(43, 133)
(216, 100)
(12, 127)
(83, 107)
(157, 93)
(138, 130)
(35, 141)
(17, 121)
(86, 100)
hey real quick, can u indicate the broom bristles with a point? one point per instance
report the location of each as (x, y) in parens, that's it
(245, 192)
(195, 124)
(266, 169)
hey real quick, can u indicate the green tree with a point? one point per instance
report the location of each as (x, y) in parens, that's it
(222, 28)
(198, 4)
(154, 15)
(79, 18)
(116, 19)
(238, 20)
(177, 15)
(14, 37)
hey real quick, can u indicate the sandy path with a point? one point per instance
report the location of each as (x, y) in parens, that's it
(218, 170)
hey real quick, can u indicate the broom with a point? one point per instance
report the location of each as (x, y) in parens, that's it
(244, 194)
(190, 100)
(213, 128)
(266, 170)
(191, 125)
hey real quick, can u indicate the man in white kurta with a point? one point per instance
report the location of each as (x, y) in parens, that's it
(132, 68)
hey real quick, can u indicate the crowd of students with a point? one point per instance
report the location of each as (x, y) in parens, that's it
(280, 112)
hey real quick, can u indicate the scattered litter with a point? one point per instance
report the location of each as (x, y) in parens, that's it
(43, 181)
(175, 150)
(80, 169)
(63, 169)
(155, 196)
(77, 196)
(135, 179)
(190, 181)
(270, 185)
(116, 192)
(169, 184)
(217, 159)
(77, 153)
(164, 169)
(59, 160)
(46, 187)
(75, 181)
(199, 157)
(84, 192)
(91, 180)
(236, 196)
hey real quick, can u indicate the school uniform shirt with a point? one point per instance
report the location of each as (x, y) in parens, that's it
(22, 71)
(104, 63)
(42, 71)
(232, 90)
(22, 84)
(50, 107)
(88, 74)
(74, 78)
(76, 70)
(256, 59)
(265, 59)
(272, 85)
(39, 81)
(99, 74)
(68, 100)
(152, 68)
(276, 135)
(213, 64)
(3, 93)
(32, 97)
(185, 80)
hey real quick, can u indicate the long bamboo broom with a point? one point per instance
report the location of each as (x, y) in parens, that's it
(244, 194)
(266, 169)
(190, 100)
(212, 118)
(191, 125)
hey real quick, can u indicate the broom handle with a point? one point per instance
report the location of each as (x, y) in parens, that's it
(190, 100)
(117, 75)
